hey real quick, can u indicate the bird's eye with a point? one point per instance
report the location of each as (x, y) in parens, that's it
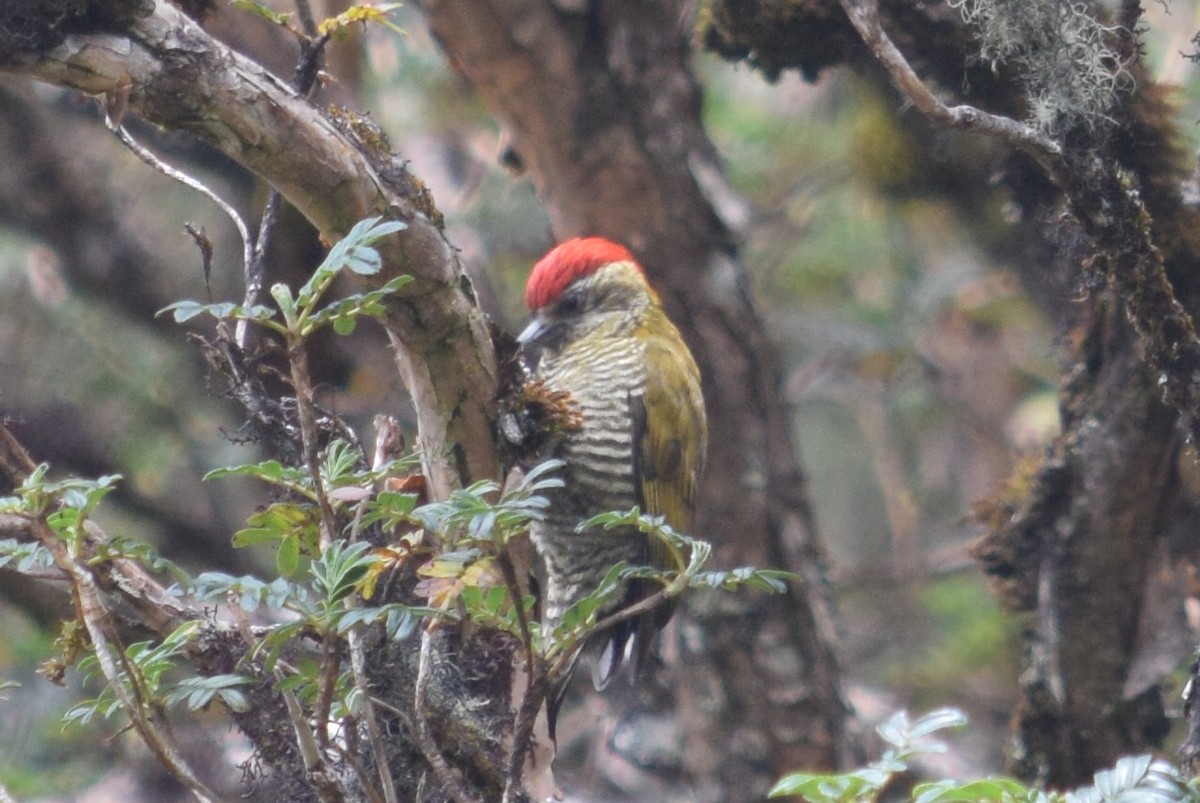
(570, 303)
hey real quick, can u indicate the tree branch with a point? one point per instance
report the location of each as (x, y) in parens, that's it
(450, 778)
(1103, 195)
(864, 16)
(95, 617)
(178, 77)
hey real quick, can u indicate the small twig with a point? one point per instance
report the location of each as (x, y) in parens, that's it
(183, 178)
(307, 21)
(864, 16)
(450, 778)
(535, 689)
(331, 659)
(200, 238)
(358, 663)
(364, 777)
(306, 411)
(303, 80)
(95, 618)
(526, 720)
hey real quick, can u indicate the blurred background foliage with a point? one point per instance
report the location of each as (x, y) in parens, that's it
(917, 370)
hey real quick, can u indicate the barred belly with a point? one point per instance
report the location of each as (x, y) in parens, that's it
(599, 475)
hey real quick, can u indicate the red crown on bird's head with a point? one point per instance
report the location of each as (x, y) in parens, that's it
(568, 261)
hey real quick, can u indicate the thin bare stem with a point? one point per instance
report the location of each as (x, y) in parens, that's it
(864, 16)
(256, 266)
(316, 768)
(96, 619)
(307, 21)
(358, 658)
(527, 714)
(364, 777)
(535, 685)
(514, 596)
(449, 777)
(303, 81)
(358, 663)
(331, 660)
(149, 158)
(306, 411)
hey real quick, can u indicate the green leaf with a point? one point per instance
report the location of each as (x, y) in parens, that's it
(497, 598)
(269, 470)
(817, 788)
(278, 522)
(26, 556)
(364, 261)
(989, 790)
(345, 325)
(471, 598)
(186, 310)
(197, 693)
(402, 622)
(287, 560)
(769, 580)
(396, 503)
(292, 683)
(340, 568)
(939, 719)
(582, 612)
(261, 10)
(353, 307)
(335, 26)
(253, 536)
(353, 252)
(894, 730)
(340, 463)
(287, 305)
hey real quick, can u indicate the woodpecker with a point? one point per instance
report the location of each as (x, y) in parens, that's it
(599, 333)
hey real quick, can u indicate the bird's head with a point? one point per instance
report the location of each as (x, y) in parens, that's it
(583, 286)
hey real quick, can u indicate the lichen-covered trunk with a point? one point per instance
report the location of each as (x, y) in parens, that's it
(1077, 556)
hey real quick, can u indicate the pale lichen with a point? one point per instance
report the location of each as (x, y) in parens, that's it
(1065, 55)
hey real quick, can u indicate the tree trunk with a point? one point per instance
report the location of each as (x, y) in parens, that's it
(601, 107)
(1079, 550)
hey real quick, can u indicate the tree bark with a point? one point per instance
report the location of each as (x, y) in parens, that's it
(1078, 549)
(1078, 555)
(177, 76)
(162, 66)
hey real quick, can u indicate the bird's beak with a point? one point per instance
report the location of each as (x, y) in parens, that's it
(536, 328)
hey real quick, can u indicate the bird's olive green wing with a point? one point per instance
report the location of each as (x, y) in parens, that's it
(669, 438)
